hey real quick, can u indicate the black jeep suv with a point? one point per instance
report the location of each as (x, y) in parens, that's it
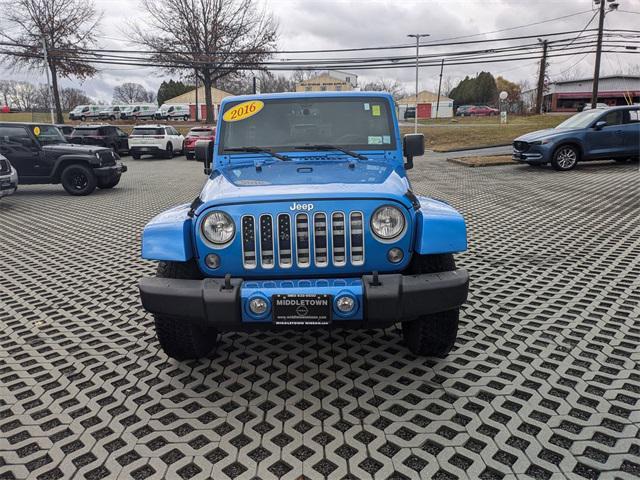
(40, 154)
(101, 135)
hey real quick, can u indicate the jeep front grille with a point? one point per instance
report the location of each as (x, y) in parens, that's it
(303, 239)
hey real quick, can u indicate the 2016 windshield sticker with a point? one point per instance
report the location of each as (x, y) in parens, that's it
(243, 110)
(374, 140)
(375, 110)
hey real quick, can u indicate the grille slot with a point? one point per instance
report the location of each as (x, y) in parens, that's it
(248, 242)
(320, 244)
(266, 241)
(302, 239)
(356, 238)
(284, 240)
(339, 248)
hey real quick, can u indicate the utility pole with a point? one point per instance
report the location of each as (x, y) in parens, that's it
(417, 37)
(596, 71)
(541, 75)
(46, 69)
(439, 88)
(197, 106)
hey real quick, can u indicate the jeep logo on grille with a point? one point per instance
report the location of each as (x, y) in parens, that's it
(296, 207)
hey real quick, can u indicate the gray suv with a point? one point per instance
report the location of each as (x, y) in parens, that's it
(8, 177)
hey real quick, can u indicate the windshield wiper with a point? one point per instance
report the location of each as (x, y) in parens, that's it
(331, 147)
(256, 150)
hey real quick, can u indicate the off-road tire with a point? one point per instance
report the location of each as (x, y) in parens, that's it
(561, 158)
(185, 118)
(179, 338)
(434, 334)
(83, 118)
(78, 179)
(169, 151)
(108, 182)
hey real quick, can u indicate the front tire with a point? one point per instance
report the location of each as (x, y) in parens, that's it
(78, 180)
(433, 334)
(565, 158)
(135, 155)
(181, 339)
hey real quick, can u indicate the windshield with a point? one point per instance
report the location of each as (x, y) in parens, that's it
(86, 132)
(200, 133)
(354, 123)
(48, 134)
(129, 109)
(581, 120)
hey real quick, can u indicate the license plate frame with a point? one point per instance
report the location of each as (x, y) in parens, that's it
(308, 310)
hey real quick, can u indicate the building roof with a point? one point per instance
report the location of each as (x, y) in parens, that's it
(190, 97)
(336, 77)
(424, 96)
(602, 77)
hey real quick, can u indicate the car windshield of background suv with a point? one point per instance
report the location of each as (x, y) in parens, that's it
(50, 135)
(354, 123)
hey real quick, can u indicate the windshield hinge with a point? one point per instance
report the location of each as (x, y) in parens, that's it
(194, 206)
(413, 199)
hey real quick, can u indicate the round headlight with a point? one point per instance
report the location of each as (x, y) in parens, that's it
(218, 228)
(387, 222)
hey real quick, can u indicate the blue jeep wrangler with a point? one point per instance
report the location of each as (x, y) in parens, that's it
(307, 220)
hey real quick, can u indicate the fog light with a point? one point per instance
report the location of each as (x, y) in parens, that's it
(258, 305)
(345, 304)
(212, 261)
(395, 255)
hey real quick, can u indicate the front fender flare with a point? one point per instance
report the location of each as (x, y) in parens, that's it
(440, 228)
(168, 236)
(63, 160)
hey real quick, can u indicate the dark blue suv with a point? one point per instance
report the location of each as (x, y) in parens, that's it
(601, 134)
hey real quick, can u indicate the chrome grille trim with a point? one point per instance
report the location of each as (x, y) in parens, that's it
(320, 240)
(285, 241)
(356, 238)
(267, 253)
(303, 247)
(248, 242)
(338, 239)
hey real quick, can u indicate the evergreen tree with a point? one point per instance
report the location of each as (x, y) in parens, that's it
(172, 89)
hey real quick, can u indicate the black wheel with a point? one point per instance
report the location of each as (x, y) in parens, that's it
(178, 338)
(112, 118)
(108, 182)
(433, 334)
(186, 118)
(169, 151)
(565, 158)
(78, 180)
(83, 118)
(135, 155)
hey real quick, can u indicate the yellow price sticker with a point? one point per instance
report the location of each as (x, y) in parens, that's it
(243, 110)
(36, 131)
(375, 110)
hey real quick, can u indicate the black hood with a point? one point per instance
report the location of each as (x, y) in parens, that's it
(65, 148)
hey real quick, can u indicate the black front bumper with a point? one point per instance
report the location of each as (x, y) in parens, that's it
(387, 299)
(117, 169)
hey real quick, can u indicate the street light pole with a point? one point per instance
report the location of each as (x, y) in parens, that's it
(417, 37)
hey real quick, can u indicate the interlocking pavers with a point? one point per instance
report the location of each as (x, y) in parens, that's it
(544, 381)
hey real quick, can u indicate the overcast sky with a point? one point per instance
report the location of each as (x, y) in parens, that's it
(316, 24)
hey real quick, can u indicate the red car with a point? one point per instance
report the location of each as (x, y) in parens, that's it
(196, 134)
(482, 111)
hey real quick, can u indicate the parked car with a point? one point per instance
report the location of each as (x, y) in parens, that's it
(481, 111)
(8, 177)
(462, 110)
(169, 111)
(587, 106)
(40, 154)
(138, 112)
(195, 135)
(111, 112)
(409, 113)
(66, 130)
(84, 112)
(307, 220)
(101, 135)
(156, 140)
(596, 134)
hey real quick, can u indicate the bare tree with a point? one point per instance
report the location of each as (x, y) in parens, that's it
(390, 85)
(72, 97)
(66, 27)
(132, 93)
(217, 38)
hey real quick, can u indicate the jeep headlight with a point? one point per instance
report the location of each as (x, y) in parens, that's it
(387, 222)
(218, 228)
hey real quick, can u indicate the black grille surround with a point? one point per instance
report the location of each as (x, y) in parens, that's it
(521, 146)
(107, 157)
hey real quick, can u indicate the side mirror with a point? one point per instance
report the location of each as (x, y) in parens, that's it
(204, 153)
(600, 125)
(412, 146)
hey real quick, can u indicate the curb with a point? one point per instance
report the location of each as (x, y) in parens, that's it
(464, 149)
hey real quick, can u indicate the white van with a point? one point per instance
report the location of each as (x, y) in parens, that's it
(173, 111)
(111, 112)
(137, 112)
(83, 112)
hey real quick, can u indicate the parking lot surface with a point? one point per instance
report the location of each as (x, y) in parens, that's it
(544, 380)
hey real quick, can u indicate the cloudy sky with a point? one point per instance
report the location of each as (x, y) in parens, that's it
(317, 24)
